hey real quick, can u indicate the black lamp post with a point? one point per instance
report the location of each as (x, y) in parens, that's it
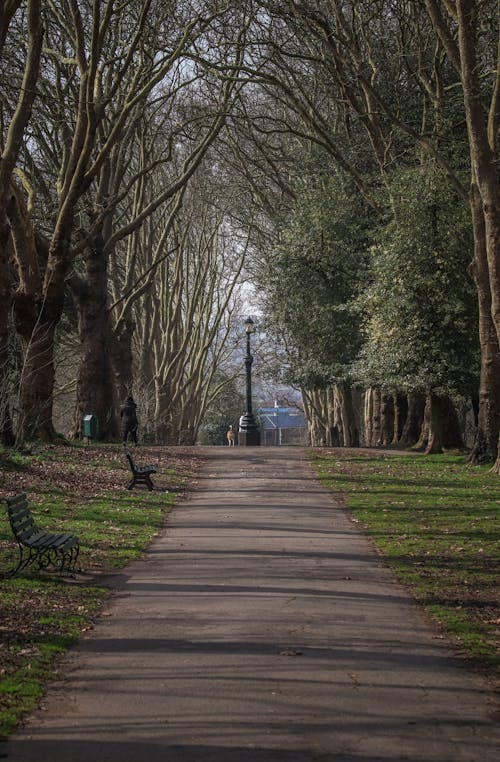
(248, 434)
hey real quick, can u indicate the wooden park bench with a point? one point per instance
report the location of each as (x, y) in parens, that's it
(140, 474)
(37, 546)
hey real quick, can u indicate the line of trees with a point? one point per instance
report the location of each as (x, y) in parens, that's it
(106, 244)
(394, 107)
(351, 147)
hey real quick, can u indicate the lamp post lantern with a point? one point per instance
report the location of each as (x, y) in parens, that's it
(248, 433)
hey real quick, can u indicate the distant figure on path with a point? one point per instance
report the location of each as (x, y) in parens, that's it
(230, 436)
(128, 415)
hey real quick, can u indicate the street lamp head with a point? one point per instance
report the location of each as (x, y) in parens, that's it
(249, 325)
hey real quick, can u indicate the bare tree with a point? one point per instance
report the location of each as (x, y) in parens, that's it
(183, 320)
(15, 115)
(103, 63)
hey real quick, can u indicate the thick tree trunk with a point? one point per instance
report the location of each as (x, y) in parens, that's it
(37, 311)
(400, 417)
(336, 424)
(349, 433)
(436, 425)
(37, 380)
(122, 359)
(95, 379)
(414, 420)
(313, 406)
(164, 432)
(452, 431)
(444, 429)
(386, 419)
(376, 440)
(6, 433)
(425, 429)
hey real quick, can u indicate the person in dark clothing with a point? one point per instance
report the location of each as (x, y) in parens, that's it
(128, 415)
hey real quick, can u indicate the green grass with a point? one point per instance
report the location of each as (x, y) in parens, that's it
(82, 491)
(437, 522)
(41, 619)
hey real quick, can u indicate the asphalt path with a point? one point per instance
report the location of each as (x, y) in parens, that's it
(261, 626)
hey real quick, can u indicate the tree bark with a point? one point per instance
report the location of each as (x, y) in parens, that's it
(436, 425)
(37, 317)
(400, 417)
(414, 420)
(36, 325)
(316, 423)
(95, 380)
(368, 418)
(6, 431)
(350, 433)
(488, 423)
(376, 440)
(386, 419)
(444, 430)
(122, 359)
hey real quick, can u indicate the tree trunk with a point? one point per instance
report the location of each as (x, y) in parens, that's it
(337, 428)
(436, 425)
(400, 417)
(368, 416)
(6, 433)
(376, 418)
(444, 429)
(122, 359)
(37, 378)
(37, 311)
(164, 431)
(482, 130)
(95, 379)
(12, 138)
(331, 411)
(316, 424)
(350, 434)
(452, 431)
(488, 424)
(425, 429)
(414, 420)
(386, 419)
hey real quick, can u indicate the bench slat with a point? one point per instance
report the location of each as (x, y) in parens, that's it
(30, 537)
(18, 500)
(25, 525)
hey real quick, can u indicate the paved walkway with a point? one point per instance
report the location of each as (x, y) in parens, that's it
(261, 627)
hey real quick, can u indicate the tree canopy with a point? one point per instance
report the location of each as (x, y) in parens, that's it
(342, 155)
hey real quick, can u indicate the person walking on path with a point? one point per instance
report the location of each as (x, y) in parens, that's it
(230, 436)
(128, 415)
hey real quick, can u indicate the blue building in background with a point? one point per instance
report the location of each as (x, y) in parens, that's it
(282, 424)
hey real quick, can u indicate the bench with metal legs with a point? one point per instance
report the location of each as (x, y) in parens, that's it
(140, 474)
(38, 547)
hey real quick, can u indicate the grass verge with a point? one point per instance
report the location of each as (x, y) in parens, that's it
(437, 522)
(81, 490)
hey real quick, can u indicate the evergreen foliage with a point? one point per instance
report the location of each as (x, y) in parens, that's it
(420, 307)
(312, 275)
